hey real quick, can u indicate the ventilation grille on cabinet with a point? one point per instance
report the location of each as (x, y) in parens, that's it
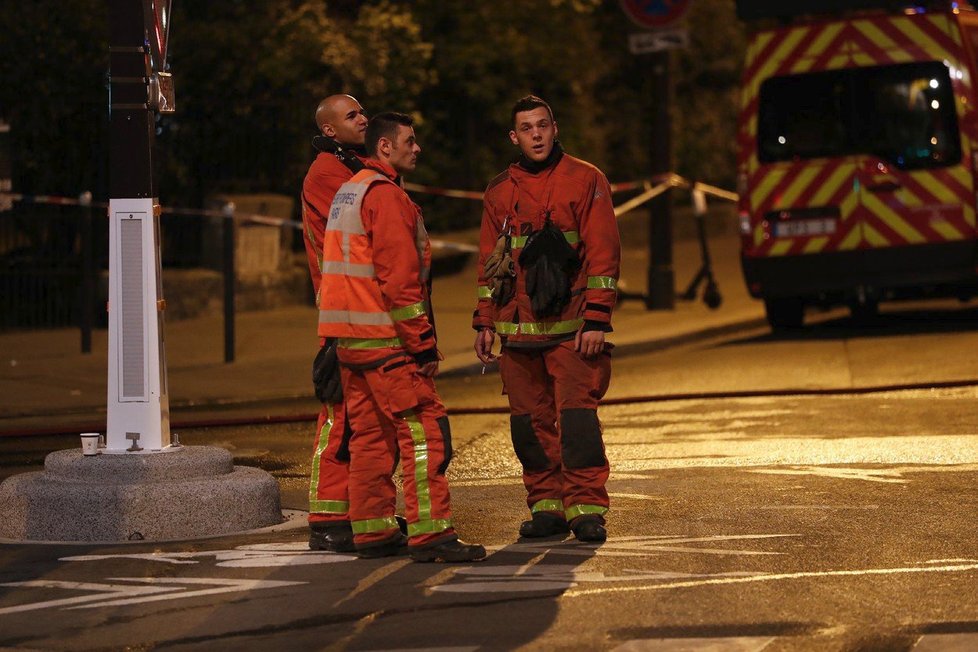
(132, 326)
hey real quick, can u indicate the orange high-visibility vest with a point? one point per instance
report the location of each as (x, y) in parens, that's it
(351, 304)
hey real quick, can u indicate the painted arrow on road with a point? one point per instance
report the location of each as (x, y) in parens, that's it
(146, 589)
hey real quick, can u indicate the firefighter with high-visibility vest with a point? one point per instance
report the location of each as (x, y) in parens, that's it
(375, 298)
(342, 124)
(548, 273)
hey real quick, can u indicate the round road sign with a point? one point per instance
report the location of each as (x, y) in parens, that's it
(654, 13)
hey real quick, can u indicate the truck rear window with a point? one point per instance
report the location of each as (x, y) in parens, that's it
(903, 114)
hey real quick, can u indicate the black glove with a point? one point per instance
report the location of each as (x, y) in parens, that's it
(326, 374)
(549, 262)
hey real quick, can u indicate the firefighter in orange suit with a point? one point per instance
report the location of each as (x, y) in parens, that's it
(375, 298)
(555, 368)
(342, 124)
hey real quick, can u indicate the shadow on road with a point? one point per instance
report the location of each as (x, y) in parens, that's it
(445, 606)
(326, 601)
(894, 323)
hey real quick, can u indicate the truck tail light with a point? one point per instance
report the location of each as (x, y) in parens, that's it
(744, 218)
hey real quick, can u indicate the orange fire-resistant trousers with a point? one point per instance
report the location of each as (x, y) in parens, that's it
(393, 408)
(328, 480)
(553, 398)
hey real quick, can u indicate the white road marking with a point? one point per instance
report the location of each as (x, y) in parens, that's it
(487, 482)
(963, 642)
(504, 586)
(870, 475)
(804, 507)
(247, 556)
(774, 577)
(461, 648)
(641, 546)
(731, 644)
(373, 579)
(549, 577)
(224, 586)
(101, 592)
(111, 595)
(637, 496)
(951, 561)
(947, 453)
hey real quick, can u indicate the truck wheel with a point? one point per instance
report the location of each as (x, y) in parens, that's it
(783, 314)
(864, 313)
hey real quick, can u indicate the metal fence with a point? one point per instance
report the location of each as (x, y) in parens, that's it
(54, 259)
(42, 251)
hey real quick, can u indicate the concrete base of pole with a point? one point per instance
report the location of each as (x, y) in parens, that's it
(193, 491)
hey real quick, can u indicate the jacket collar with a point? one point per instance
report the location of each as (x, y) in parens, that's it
(331, 146)
(534, 167)
(383, 168)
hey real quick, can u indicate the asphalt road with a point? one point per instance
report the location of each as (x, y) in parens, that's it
(836, 521)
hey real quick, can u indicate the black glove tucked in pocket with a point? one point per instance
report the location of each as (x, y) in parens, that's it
(326, 374)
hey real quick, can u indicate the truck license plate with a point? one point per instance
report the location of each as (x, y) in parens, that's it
(809, 227)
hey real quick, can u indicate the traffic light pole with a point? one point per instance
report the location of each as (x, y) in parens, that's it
(138, 404)
(661, 293)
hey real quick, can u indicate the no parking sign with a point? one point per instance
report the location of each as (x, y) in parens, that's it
(654, 13)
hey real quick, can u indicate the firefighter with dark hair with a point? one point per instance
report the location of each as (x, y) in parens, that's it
(375, 299)
(342, 125)
(548, 274)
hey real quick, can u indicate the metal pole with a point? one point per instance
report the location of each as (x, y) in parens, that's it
(137, 400)
(661, 281)
(87, 308)
(229, 280)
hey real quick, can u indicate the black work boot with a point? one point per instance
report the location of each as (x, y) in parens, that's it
(451, 550)
(543, 524)
(589, 528)
(393, 545)
(331, 536)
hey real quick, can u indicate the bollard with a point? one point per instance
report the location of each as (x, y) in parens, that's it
(87, 303)
(229, 280)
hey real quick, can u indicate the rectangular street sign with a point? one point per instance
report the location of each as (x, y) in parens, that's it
(654, 41)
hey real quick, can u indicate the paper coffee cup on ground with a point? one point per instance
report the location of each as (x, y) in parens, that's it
(89, 442)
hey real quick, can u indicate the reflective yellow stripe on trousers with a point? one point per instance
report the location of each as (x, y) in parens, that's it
(425, 524)
(316, 505)
(547, 505)
(581, 510)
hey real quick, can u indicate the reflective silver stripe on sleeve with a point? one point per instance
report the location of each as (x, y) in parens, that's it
(359, 270)
(354, 317)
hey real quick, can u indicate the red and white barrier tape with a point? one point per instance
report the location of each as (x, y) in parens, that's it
(661, 184)
(472, 194)
(443, 192)
(251, 218)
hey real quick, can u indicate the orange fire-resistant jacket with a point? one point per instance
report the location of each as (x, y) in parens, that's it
(376, 265)
(325, 176)
(578, 198)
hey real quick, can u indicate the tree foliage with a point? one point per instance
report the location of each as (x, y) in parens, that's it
(53, 58)
(248, 76)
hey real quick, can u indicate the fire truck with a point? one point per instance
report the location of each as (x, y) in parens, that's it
(857, 153)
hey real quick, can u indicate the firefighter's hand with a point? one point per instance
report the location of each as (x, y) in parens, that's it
(483, 345)
(429, 368)
(589, 343)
